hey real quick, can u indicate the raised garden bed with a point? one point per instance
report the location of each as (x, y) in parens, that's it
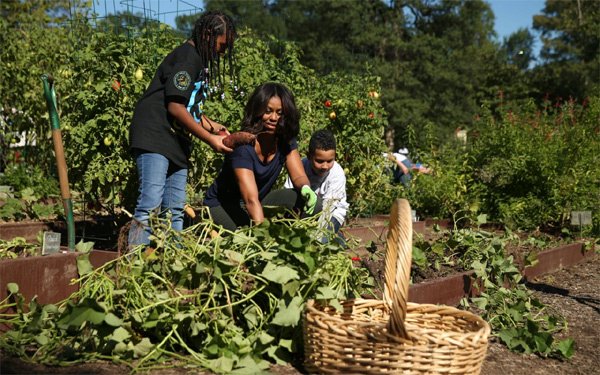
(47, 277)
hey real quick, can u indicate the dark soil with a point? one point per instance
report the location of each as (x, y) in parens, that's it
(573, 293)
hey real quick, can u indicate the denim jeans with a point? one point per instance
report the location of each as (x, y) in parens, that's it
(161, 190)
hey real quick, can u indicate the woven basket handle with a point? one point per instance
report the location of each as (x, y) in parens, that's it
(398, 258)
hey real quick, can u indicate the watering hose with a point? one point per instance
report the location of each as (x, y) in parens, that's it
(61, 164)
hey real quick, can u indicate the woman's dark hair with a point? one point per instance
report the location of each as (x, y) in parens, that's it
(321, 140)
(204, 35)
(288, 125)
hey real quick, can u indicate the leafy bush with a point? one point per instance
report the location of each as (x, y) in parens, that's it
(535, 167)
(22, 176)
(35, 194)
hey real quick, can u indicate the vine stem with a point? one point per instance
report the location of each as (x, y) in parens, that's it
(156, 348)
(184, 345)
(173, 299)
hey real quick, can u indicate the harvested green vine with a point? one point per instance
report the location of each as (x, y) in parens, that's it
(228, 304)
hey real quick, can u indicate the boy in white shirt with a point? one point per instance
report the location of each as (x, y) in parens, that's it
(327, 179)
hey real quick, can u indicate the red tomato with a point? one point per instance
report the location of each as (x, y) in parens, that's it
(327, 103)
(116, 85)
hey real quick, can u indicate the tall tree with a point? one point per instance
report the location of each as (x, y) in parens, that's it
(433, 57)
(519, 48)
(446, 60)
(570, 32)
(509, 76)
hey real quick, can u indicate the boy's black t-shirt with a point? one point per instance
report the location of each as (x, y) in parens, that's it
(180, 78)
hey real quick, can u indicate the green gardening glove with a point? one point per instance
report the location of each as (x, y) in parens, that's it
(310, 199)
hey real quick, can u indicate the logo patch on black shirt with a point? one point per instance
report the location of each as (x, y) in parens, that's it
(182, 80)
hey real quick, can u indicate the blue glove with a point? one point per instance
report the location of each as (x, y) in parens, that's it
(310, 199)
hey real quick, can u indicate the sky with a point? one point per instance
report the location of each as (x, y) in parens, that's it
(510, 14)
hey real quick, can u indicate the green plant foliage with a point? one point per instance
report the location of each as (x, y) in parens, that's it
(24, 175)
(97, 88)
(534, 167)
(516, 317)
(17, 247)
(231, 303)
(34, 197)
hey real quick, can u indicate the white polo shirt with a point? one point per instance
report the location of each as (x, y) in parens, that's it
(331, 188)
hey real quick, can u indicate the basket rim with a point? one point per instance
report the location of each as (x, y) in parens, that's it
(314, 307)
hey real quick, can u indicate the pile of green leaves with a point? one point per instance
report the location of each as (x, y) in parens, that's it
(232, 303)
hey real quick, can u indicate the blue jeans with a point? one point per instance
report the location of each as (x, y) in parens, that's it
(161, 189)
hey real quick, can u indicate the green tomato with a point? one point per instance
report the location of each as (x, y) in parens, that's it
(66, 73)
(139, 74)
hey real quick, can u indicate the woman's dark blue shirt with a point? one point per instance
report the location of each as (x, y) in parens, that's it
(225, 189)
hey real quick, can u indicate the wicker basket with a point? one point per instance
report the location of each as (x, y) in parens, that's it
(394, 336)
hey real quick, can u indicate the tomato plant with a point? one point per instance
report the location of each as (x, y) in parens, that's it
(98, 83)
